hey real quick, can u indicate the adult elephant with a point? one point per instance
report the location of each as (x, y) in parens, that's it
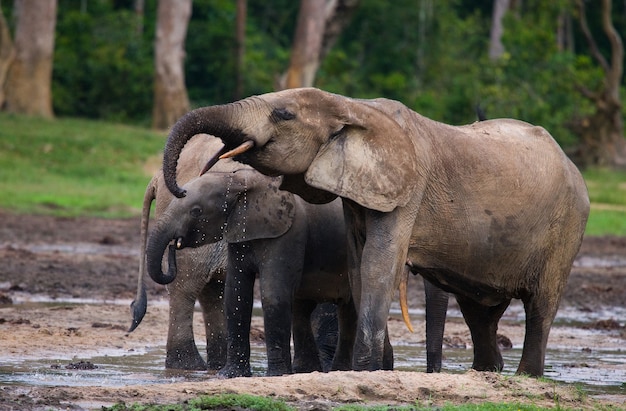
(297, 249)
(489, 211)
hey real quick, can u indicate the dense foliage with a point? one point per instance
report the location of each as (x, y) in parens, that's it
(431, 55)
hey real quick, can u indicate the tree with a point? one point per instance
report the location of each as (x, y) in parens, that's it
(496, 48)
(28, 84)
(319, 24)
(307, 44)
(601, 133)
(170, 94)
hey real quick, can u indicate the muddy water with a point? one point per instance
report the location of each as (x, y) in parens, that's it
(598, 371)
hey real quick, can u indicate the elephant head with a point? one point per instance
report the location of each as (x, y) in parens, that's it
(333, 146)
(241, 205)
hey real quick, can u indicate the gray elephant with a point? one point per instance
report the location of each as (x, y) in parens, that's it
(297, 249)
(203, 270)
(201, 273)
(489, 211)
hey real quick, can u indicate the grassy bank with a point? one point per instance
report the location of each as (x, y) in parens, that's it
(81, 167)
(75, 167)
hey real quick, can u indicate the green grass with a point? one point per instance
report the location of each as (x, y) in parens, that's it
(213, 402)
(74, 167)
(607, 192)
(256, 403)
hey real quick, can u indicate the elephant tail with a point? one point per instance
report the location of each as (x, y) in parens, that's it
(404, 306)
(140, 304)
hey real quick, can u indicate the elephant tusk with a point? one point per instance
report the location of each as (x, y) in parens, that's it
(404, 307)
(179, 243)
(243, 147)
(214, 159)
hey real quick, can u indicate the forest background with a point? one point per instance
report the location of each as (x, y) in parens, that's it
(436, 57)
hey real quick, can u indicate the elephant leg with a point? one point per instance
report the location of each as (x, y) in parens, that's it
(238, 302)
(305, 357)
(181, 350)
(436, 311)
(276, 299)
(483, 324)
(387, 353)
(325, 325)
(347, 319)
(382, 261)
(540, 311)
(212, 302)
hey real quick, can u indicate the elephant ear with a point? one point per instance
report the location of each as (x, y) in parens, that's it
(262, 210)
(371, 161)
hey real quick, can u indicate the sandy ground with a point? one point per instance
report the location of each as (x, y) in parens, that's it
(93, 260)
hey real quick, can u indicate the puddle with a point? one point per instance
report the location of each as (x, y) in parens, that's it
(110, 370)
(598, 371)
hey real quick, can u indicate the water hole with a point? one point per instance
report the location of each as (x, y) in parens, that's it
(598, 371)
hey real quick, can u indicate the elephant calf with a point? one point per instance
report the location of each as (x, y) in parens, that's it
(297, 250)
(203, 271)
(217, 231)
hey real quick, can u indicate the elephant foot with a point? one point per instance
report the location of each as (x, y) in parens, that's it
(277, 367)
(184, 360)
(215, 365)
(231, 371)
(343, 365)
(497, 367)
(306, 361)
(305, 367)
(433, 361)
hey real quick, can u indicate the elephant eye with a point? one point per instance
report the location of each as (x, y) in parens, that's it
(281, 114)
(337, 132)
(196, 212)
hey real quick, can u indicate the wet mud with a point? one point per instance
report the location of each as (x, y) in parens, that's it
(66, 285)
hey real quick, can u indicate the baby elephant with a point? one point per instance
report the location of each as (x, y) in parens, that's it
(236, 217)
(297, 250)
(201, 275)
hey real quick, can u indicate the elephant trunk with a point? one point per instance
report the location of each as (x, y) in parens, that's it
(157, 243)
(140, 304)
(224, 121)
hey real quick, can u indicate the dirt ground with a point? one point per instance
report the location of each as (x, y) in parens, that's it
(96, 260)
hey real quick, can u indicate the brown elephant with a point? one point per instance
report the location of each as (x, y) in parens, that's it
(489, 211)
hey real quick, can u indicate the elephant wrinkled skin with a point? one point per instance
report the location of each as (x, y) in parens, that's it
(297, 249)
(489, 211)
(202, 269)
(201, 275)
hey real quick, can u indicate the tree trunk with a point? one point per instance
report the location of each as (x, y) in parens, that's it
(7, 54)
(496, 48)
(170, 94)
(601, 133)
(319, 25)
(307, 44)
(28, 85)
